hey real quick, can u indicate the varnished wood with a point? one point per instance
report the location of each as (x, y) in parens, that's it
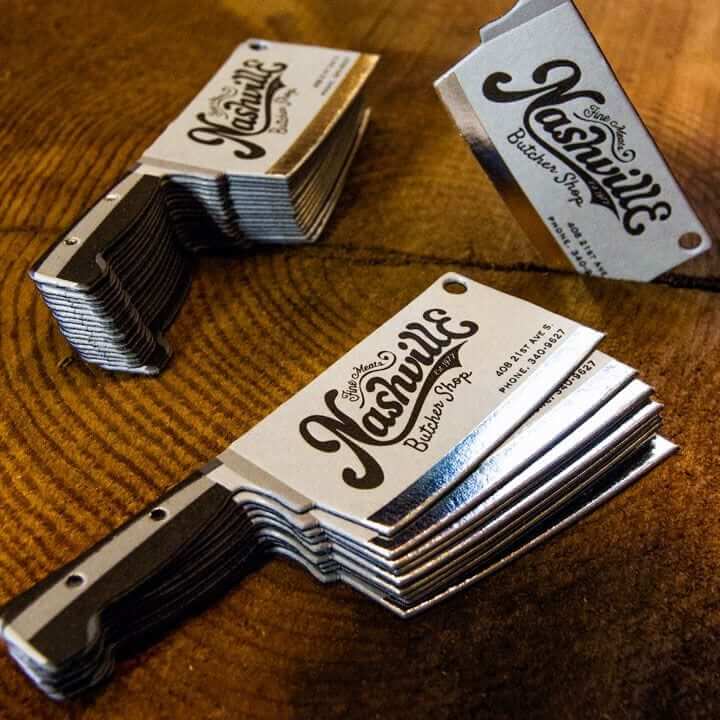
(617, 618)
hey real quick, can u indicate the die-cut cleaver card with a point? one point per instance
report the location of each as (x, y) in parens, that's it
(545, 115)
(259, 156)
(462, 432)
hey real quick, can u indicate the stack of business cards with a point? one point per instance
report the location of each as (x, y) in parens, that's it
(259, 156)
(466, 430)
(117, 278)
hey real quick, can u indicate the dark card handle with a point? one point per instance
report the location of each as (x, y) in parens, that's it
(103, 225)
(141, 579)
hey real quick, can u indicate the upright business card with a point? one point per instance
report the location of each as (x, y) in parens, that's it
(547, 118)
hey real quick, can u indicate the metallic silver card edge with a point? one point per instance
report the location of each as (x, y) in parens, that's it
(659, 451)
(414, 568)
(608, 389)
(510, 414)
(486, 153)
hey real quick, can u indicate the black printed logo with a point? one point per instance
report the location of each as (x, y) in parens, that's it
(390, 392)
(243, 110)
(589, 142)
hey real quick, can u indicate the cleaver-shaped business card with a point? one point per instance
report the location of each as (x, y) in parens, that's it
(409, 467)
(544, 113)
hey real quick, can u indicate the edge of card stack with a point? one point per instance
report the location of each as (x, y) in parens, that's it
(122, 281)
(224, 212)
(117, 279)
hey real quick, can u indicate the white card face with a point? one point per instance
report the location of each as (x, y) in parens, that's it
(545, 115)
(256, 107)
(449, 372)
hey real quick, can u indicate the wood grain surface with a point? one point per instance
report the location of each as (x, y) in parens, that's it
(617, 618)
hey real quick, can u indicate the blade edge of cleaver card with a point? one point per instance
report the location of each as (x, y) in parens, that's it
(658, 450)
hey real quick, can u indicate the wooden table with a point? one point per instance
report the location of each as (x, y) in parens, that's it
(619, 617)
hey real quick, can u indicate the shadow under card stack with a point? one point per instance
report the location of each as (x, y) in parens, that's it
(466, 430)
(259, 156)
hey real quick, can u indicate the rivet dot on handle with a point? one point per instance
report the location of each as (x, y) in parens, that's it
(75, 580)
(258, 45)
